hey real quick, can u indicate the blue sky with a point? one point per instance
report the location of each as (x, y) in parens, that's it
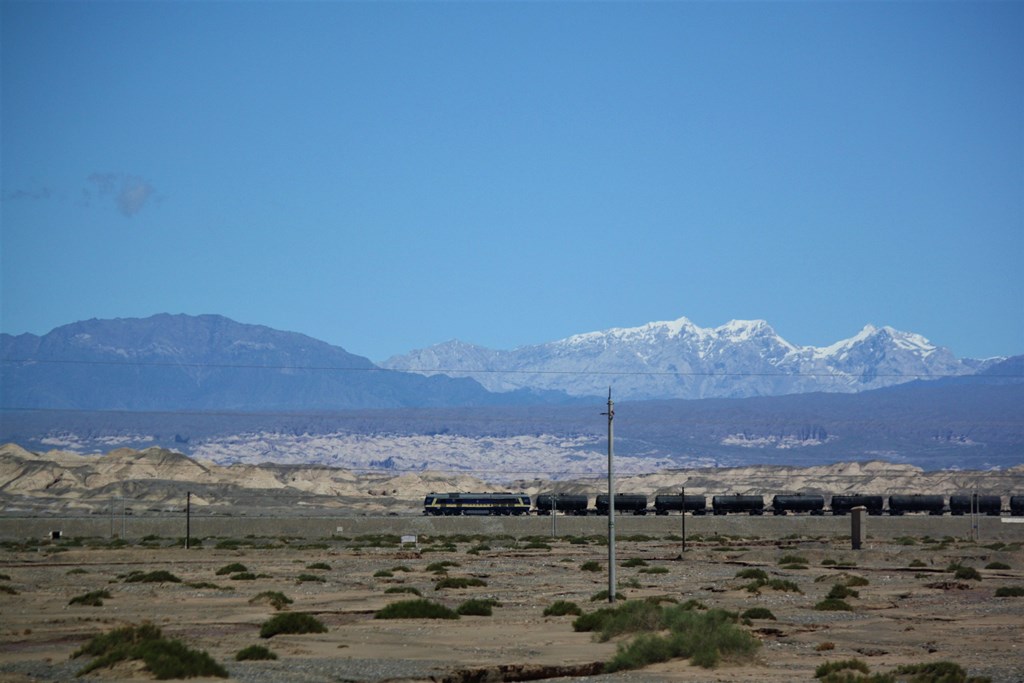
(386, 176)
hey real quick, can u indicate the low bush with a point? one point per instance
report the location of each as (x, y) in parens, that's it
(758, 613)
(165, 659)
(844, 665)
(654, 570)
(404, 589)
(703, 637)
(401, 568)
(91, 599)
(415, 609)
(562, 608)
(383, 574)
(967, 573)
(458, 582)
(291, 622)
(243, 576)
(276, 599)
(603, 595)
(232, 568)
(303, 578)
(833, 605)
(917, 563)
(839, 592)
(824, 646)
(783, 585)
(792, 559)
(475, 608)
(997, 565)
(254, 653)
(853, 581)
(591, 566)
(634, 562)
(1010, 592)
(159, 576)
(936, 672)
(319, 565)
(441, 567)
(752, 573)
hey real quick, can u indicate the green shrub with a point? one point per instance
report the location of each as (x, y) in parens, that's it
(634, 616)
(654, 570)
(76, 570)
(243, 576)
(839, 591)
(703, 637)
(634, 562)
(475, 608)
(967, 573)
(997, 565)
(92, 599)
(792, 559)
(935, 672)
(165, 659)
(382, 574)
(458, 582)
(783, 585)
(758, 613)
(401, 568)
(291, 622)
(159, 576)
(590, 566)
(536, 545)
(855, 581)
(603, 595)
(303, 578)
(232, 568)
(1010, 592)
(828, 562)
(441, 567)
(276, 599)
(917, 563)
(415, 609)
(833, 605)
(844, 665)
(254, 652)
(404, 589)
(319, 565)
(562, 608)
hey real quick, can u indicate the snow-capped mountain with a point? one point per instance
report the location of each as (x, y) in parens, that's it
(678, 359)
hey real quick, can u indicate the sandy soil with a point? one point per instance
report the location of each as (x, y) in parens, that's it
(897, 618)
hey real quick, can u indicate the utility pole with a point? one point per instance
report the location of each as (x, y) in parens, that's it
(188, 518)
(611, 502)
(682, 493)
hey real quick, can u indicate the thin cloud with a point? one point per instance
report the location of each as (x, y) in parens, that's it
(130, 192)
(36, 194)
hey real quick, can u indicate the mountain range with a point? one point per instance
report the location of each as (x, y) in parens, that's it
(209, 362)
(678, 359)
(234, 393)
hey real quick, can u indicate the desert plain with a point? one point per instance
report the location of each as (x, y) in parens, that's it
(909, 607)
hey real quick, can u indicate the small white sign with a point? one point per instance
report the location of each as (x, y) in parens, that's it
(408, 539)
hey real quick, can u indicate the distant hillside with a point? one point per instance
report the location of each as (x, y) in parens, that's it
(969, 423)
(208, 362)
(159, 480)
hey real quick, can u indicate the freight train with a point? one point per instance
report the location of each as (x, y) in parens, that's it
(782, 504)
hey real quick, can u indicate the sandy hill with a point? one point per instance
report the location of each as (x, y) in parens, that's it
(157, 477)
